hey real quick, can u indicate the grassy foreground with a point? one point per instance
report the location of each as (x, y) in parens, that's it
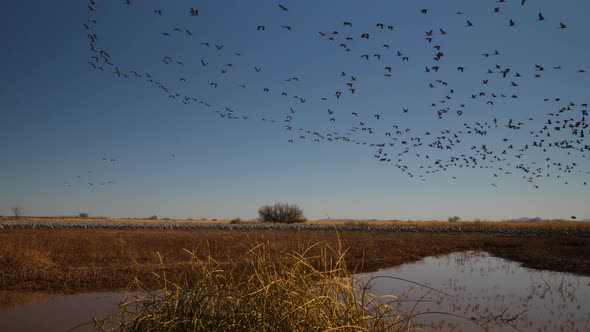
(304, 289)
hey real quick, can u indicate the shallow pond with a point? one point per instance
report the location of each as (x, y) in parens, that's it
(28, 312)
(469, 291)
(489, 293)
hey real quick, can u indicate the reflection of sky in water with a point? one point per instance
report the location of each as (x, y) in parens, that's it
(490, 289)
(48, 313)
(483, 287)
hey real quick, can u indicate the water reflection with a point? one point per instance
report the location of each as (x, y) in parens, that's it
(26, 311)
(486, 293)
(467, 291)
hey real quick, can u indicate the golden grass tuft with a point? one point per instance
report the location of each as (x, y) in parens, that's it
(305, 289)
(30, 265)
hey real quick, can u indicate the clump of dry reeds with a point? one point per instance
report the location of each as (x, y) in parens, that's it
(308, 289)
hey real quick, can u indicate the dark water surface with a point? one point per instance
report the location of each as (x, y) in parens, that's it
(29, 312)
(493, 294)
(489, 293)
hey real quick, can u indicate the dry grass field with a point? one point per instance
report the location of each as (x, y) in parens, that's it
(100, 259)
(557, 223)
(104, 219)
(563, 223)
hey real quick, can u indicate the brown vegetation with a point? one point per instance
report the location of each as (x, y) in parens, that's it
(555, 223)
(81, 259)
(282, 213)
(107, 219)
(308, 289)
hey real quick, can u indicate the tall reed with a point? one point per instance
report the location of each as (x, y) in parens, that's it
(305, 289)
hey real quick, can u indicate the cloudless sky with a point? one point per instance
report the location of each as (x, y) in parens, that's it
(61, 117)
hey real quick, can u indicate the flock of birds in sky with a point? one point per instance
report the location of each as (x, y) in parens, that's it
(486, 143)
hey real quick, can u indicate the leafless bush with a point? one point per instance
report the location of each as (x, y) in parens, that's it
(454, 219)
(154, 217)
(235, 221)
(17, 211)
(83, 215)
(281, 212)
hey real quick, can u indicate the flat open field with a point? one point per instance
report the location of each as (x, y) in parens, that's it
(74, 259)
(562, 223)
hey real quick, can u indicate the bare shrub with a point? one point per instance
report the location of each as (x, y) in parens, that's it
(454, 219)
(83, 215)
(235, 221)
(154, 217)
(17, 211)
(281, 212)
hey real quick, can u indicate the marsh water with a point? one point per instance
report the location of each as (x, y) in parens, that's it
(473, 291)
(29, 311)
(468, 291)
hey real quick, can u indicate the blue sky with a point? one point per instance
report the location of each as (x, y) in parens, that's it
(62, 117)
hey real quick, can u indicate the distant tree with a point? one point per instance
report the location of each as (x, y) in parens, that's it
(154, 217)
(17, 211)
(83, 215)
(454, 219)
(281, 213)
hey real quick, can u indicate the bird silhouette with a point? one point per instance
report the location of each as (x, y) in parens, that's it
(444, 94)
